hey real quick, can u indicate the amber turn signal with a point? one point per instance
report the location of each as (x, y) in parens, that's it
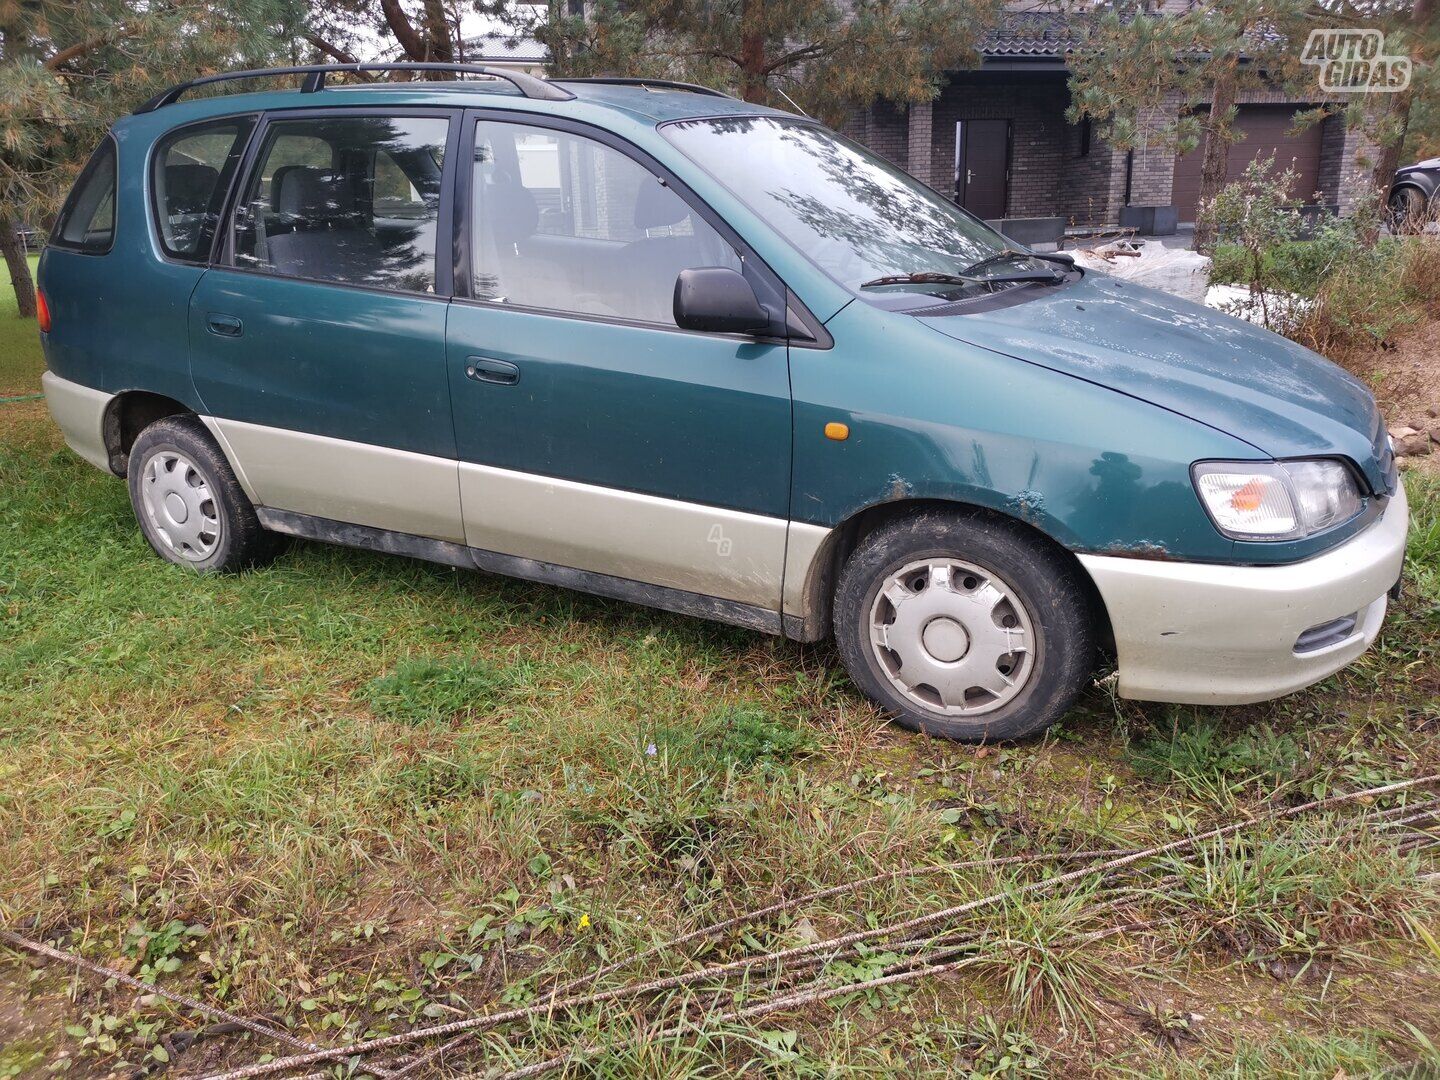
(838, 432)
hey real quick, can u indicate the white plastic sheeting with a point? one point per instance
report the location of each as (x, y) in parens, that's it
(1173, 270)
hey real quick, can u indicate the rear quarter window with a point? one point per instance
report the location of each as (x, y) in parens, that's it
(190, 175)
(87, 221)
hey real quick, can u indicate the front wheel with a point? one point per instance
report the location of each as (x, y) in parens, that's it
(964, 626)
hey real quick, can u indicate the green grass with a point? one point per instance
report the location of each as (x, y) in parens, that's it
(353, 794)
(20, 358)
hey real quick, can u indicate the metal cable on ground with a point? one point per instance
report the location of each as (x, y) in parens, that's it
(824, 894)
(774, 909)
(492, 1019)
(63, 956)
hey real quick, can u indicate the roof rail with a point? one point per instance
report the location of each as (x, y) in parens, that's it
(667, 84)
(528, 85)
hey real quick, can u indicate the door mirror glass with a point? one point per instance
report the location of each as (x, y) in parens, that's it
(717, 300)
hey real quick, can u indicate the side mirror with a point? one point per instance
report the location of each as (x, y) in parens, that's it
(718, 300)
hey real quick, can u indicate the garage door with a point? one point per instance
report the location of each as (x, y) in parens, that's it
(1264, 131)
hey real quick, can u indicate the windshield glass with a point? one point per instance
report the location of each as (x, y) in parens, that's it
(854, 214)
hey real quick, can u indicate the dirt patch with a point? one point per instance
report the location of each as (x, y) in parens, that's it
(30, 1027)
(1403, 372)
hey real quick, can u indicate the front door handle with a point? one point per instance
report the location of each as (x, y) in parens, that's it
(488, 369)
(224, 325)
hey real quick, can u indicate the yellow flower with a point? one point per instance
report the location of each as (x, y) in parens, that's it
(585, 921)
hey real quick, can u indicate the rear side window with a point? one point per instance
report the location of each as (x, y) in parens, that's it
(87, 223)
(349, 199)
(190, 174)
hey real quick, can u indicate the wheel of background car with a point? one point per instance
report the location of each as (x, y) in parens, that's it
(1408, 210)
(190, 507)
(964, 626)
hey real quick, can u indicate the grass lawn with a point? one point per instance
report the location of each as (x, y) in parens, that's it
(20, 359)
(349, 795)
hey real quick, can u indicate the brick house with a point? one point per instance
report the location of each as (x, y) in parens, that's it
(996, 140)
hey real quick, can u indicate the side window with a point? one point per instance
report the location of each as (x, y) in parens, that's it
(189, 176)
(349, 199)
(87, 223)
(566, 223)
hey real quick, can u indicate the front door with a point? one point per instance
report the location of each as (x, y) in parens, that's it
(593, 434)
(982, 166)
(318, 348)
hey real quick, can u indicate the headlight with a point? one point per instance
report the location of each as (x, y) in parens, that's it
(1283, 500)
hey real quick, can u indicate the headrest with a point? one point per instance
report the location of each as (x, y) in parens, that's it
(657, 205)
(188, 187)
(312, 194)
(512, 209)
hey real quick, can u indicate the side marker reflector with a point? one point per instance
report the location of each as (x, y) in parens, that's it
(838, 432)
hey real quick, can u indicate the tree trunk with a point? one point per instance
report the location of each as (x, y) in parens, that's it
(404, 31)
(1387, 160)
(437, 30)
(1217, 155)
(19, 267)
(752, 52)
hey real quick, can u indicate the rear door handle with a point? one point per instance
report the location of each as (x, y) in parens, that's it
(224, 325)
(488, 369)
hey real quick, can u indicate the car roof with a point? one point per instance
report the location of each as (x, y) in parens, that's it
(648, 103)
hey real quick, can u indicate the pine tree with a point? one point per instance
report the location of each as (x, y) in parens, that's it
(1135, 63)
(826, 56)
(68, 69)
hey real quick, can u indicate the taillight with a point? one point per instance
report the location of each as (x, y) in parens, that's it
(42, 311)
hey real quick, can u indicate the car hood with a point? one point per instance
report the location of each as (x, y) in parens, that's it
(1278, 396)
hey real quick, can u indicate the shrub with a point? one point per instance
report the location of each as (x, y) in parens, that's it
(1368, 297)
(1333, 285)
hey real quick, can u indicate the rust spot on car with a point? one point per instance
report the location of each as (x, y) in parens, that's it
(1141, 549)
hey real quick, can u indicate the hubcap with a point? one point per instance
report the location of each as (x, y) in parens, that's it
(952, 637)
(180, 507)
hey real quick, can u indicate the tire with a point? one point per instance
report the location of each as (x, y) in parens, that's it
(995, 619)
(190, 507)
(1408, 211)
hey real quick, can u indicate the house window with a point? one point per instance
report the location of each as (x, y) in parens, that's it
(1085, 137)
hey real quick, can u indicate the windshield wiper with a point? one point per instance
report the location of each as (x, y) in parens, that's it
(933, 278)
(1067, 261)
(927, 277)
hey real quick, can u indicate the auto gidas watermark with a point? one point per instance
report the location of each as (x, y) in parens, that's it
(1355, 62)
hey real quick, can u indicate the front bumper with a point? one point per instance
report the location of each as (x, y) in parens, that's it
(1204, 634)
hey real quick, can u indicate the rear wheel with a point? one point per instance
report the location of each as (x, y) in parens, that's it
(964, 626)
(190, 506)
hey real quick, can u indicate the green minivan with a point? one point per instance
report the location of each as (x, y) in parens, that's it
(648, 341)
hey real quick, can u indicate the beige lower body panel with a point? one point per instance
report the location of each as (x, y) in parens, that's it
(729, 554)
(679, 545)
(1225, 635)
(80, 413)
(805, 542)
(344, 481)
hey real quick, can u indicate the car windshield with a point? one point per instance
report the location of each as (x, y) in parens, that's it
(858, 217)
